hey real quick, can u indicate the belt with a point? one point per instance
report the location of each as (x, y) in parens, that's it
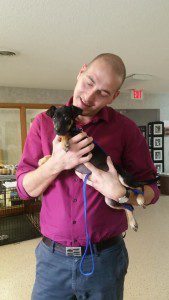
(79, 251)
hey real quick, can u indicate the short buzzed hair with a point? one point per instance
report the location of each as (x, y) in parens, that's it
(115, 62)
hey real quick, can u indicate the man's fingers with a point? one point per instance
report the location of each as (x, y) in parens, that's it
(77, 138)
(82, 176)
(91, 167)
(110, 165)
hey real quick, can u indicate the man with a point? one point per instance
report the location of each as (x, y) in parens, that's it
(62, 213)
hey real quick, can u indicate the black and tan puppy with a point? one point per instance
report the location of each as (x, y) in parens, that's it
(64, 124)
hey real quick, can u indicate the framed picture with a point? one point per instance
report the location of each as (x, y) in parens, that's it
(157, 155)
(159, 167)
(157, 142)
(158, 129)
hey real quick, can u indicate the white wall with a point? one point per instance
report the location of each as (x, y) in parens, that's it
(25, 95)
(150, 101)
(155, 101)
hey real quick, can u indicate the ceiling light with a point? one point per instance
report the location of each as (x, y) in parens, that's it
(7, 53)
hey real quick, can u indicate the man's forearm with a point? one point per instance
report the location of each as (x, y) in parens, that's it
(37, 181)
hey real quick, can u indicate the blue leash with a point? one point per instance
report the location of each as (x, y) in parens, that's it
(88, 242)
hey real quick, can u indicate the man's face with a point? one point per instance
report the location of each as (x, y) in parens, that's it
(96, 87)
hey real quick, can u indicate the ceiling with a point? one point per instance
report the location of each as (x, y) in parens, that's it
(53, 38)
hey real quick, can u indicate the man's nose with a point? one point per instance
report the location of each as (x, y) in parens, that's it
(90, 95)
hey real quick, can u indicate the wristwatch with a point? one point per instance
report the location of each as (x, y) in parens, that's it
(125, 198)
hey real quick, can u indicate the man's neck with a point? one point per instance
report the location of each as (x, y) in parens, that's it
(84, 119)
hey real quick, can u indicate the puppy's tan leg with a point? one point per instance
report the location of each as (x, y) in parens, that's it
(131, 220)
(65, 142)
(43, 160)
(140, 200)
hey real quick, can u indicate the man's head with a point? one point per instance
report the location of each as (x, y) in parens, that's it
(98, 83)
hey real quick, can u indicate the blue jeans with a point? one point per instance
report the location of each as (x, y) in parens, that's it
(58, 275)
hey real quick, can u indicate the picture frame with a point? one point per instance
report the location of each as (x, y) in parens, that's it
(157, 142)
(159, 167)
(158, 129)
(158, 155)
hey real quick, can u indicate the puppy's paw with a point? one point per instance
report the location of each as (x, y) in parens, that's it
(131, 220)
(140, 200)
(133, 224)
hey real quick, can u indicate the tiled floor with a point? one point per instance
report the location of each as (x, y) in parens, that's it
(148, 273)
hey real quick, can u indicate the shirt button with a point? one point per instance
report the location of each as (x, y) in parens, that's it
(75, 241)
(76, 179)
(74, 222)
(74, 200)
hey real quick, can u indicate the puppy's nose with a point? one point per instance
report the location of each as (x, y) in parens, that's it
(57, 127)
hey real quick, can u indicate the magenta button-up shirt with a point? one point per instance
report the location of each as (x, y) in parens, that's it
(62, 212)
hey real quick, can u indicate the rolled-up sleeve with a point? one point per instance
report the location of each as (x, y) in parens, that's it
(137, 159)
(156, 193)
(21, 191)
(31, 154)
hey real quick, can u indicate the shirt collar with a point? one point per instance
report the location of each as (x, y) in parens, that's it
(103, 114)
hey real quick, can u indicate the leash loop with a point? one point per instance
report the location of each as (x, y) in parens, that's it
(88, 242)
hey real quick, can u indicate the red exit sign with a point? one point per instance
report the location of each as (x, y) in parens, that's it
(136, 94)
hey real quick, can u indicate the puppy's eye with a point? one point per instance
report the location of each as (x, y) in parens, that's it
(58, 115)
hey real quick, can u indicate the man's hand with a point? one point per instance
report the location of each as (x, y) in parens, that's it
(107, 183)
(79, 146)
(50, 166)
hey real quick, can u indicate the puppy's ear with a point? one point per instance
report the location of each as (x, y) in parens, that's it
(76, 111)
(50, 112)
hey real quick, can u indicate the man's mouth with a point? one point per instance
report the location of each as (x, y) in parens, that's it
(84, 104)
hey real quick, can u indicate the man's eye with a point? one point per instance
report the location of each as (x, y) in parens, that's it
(90, 83)
(103, 94)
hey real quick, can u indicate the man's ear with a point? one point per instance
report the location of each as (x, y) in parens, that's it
(82, 70)
(116, 94)
(76, 111)
(51, 111)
